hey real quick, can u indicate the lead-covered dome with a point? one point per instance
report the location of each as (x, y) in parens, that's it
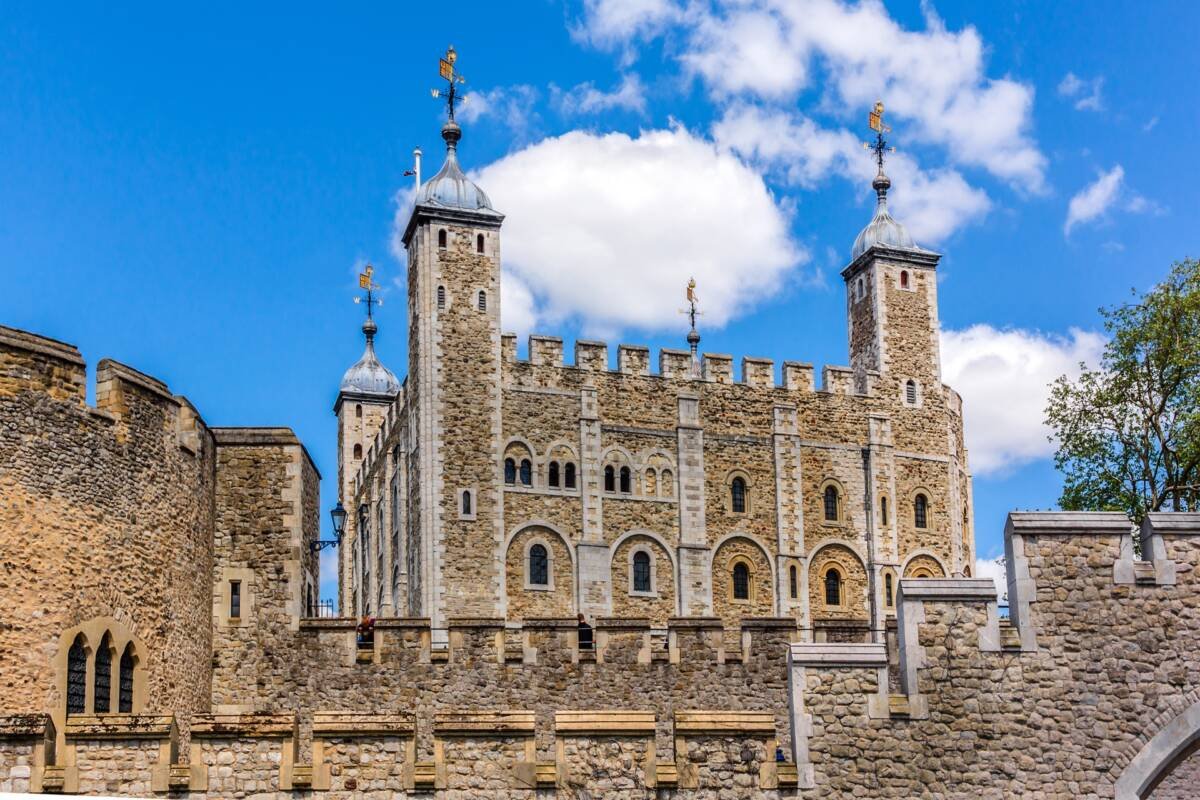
(450, 187)
(369, 375)
(883, 229)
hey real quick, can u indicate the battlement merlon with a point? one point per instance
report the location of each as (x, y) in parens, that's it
(226, 436)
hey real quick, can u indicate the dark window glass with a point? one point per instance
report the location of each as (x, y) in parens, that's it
(833, 588)
(125, 691)
(792, 583)
(831, 503)
(737, 492)
(903, 279)
(358, 410)
(887, 589)
(920, 511)
(235, 598)
(442, 239)
(554, 474)
(102, 680)
(741, 581)
(526, 472)
(570, 476)
(610, 481)
(910, 392)
(76, 676)
(641, 571)
(883, 510)
(625, 483)
(358, 451)
(539, 566)
(479, 243)
(510, 471)
(466, 503)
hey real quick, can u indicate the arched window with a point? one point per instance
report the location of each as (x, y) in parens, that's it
(482, 300)
(667, 483)
(651, 482)
(910, 392)
(883, 511)
(441, 297)
(833, 588)
(570, 477)
(553, 474)
(466, 502)
(737, 495)
(741, 581)
(610, 483)
(102, 679)
(526, 472)
(641, 571)
(125, 681)
(625, 481)
(510, 471)
(888, 598)
(831, 503)
(76, 676)
(539, 566)
(358, 409)
(793, 586)
(479, 243)
(920, 511)
(442, 238)
(358, 451)
(858, 289)
(903, 279)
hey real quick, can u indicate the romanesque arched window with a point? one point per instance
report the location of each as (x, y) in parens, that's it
(626, 482)
(510, 471)
(526, 472)
(910, 392)
(358, 451)
(920, 511)
(552, 474)
(358, 409)
(793, 583)
(479, 243)
(903, 279)
(570, 476)
(831, 503)
(741, 581)
(888, 591)
(441, 297)
(442, 238)
(651, 482)
(667, 483)
(539, 565)
(641, 571)
(77, 676)
(102, 677)
(482, 300)
(737, 495)
(125, 681)
(466, 502)
(833, 587)
(610, 481)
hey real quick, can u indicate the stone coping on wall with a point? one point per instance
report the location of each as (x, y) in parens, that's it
(724, 722)
(43, 345)
(346, 724)
(1073, 523)
(968, 589)
(483, 723)
(119, 726)
(696, 622)
(769, 623)
(623, 624)
(25, 726)
(605, 723)
(475, 622)
(1173, 523)
(107, 369)
(839, 654)
(243, 726)
(549, 623)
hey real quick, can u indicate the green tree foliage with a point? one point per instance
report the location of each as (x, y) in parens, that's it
(1128, 433)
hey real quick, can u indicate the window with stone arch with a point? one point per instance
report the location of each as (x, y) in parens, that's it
(666, 484)
(569, 477)
(793, 582)
(526, 472)
(358, 410)
(482, 302)
(742, 583)
(510, 471)
(737, 495)
(538, 573)
(642, 573)
(610, 479)
(922, 572)
(859, 289)
(833, 587)
(441, 297)
(358, 452)
(651, 482)
(921, 511)
(903, 279)
(442, 238)
(479, 243)
(125, 680)
(831, 501)
(467, 508)
(626, 480)
(102, 676)
(910, 392)
(553, 474)
(77, 676)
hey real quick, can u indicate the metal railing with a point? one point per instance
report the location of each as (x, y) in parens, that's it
(321, 608)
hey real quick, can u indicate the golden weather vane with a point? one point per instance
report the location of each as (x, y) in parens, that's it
(365, 282)
(875, 121)
(693, 300)
(447, 71)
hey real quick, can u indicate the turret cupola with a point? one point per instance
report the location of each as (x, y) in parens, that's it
(369, 375)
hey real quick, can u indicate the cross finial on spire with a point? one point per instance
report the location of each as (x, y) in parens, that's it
(876, 123)
(447, 71)
(365, 282)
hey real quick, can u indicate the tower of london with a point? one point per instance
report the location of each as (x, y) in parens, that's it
(631, 576)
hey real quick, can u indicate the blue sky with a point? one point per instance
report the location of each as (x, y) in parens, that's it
(192, 194)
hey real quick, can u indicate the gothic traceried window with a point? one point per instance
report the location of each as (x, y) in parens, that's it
(641, 571)
(570, 476)
(833, 588)
(510, 471)
(539, 566)
(125, 682)
(741, 581)
(737, 495)
(625, 481)
(553, 474)
(920, 511)
(526, 472)
(831, 503)
(76, 676)
(102, 678)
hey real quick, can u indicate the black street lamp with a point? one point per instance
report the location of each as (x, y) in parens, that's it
(338, 515)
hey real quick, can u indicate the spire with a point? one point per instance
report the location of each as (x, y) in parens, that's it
(693, 337)
(368, 375)
(883, 229)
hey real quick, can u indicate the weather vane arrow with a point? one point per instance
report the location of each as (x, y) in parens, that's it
(875, 121)
(453, 79)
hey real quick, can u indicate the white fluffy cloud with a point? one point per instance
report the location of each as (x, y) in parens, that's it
(1086, 94)
(932, 204)
(1093, 200)
(607, 229)
(933, 78)
(629, 95)
(1004, 378)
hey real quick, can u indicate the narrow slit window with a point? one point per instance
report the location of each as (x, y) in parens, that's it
(910, 392)
(741, 581)
(737, 495)
(610, 483)
(526, 472)
(831, 503)
(479, 243)
(626, 482)
(102, 679)
(570, 476)
(921, 511)
(883, 519)
(903, 279)
(539, 566)
(833, 588)
(441, 297)
(235, 599)
(76, 676)
(510, 471)
(466, 502)
(125, 687)
(888, 594)
(358, 451)
(442, 238)
(793, 588)
(482, 300)
(553, 474)
(641, 571)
